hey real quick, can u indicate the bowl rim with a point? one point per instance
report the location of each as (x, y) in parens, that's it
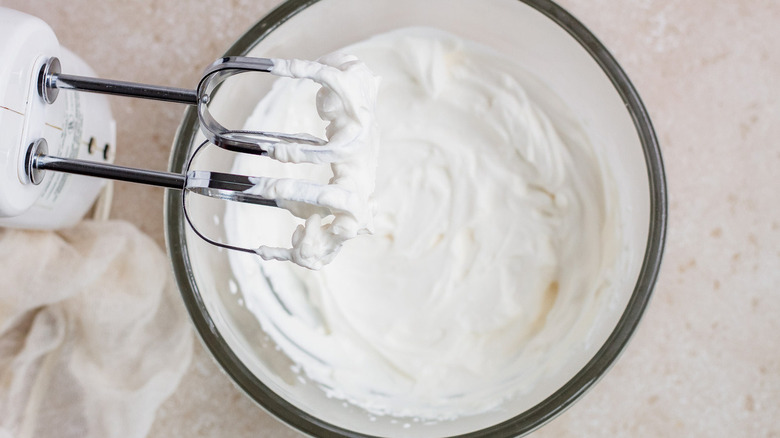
(523, 423)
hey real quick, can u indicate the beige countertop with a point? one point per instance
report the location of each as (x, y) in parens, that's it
(706, 358)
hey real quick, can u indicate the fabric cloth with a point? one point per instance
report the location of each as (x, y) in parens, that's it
(93, 337)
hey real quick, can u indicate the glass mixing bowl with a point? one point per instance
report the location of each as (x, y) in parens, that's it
(549, 43)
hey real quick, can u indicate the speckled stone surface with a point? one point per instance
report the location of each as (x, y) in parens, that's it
(706, 358)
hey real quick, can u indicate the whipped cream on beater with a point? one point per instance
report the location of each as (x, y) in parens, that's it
(346, 101)
(493, 240)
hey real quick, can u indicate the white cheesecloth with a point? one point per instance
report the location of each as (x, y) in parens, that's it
(92, 336)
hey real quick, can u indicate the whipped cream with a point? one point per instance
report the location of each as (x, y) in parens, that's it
(346, 102)
(493, 239)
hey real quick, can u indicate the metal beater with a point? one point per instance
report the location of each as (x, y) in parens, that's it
(229, 187)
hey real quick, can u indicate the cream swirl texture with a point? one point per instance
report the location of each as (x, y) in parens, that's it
(493, 237)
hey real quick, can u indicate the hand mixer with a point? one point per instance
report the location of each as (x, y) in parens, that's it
(24, 155)
(219, 185)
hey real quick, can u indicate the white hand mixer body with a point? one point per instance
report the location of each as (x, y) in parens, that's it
(77, 126)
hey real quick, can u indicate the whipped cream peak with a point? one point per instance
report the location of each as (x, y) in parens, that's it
(347, 102)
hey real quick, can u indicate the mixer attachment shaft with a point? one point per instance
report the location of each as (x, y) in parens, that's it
(225, 186)
(51, 80)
